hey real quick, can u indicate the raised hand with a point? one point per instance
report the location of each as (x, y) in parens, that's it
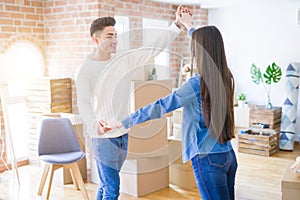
(186, 19)
(178, 15)
(181, 11)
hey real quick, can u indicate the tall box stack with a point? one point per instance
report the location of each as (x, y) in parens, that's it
(44, 96)
(146, 168)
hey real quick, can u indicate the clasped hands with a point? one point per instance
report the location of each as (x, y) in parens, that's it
(104, 127)
(183, 17)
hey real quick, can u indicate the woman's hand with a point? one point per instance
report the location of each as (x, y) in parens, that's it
(186, 19)
(178, 14)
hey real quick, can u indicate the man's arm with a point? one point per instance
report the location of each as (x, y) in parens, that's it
(83, 91)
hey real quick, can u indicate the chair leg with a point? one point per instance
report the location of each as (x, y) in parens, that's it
(74, 179)
(79, 180)
(53, 168)
(44, 178)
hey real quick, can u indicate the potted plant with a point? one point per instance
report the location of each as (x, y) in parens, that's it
(272, 75)
(153, 73)
(241, 100)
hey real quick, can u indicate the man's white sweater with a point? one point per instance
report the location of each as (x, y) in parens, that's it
(103, 87)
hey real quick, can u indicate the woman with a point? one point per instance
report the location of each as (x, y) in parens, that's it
(208, 119)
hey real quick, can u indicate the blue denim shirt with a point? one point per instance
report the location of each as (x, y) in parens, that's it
(195, 135)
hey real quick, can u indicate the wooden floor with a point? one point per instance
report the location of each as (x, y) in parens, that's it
(258, 178)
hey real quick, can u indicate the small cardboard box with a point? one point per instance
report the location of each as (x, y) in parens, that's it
(290, 185)
(142, 176)
(180, 174)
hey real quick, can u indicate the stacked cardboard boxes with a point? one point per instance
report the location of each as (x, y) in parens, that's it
(146, 168)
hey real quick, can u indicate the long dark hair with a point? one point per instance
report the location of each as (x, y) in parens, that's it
(216, 83)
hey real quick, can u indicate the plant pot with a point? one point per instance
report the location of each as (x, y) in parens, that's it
(154, 77)
(241, 103)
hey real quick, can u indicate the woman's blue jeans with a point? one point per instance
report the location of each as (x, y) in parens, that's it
(215, 175)
(109, 154)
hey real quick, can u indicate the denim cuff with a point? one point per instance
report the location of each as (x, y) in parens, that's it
(190, 32)
(127, 123)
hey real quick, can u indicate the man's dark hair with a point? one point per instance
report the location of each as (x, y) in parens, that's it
(100, 23)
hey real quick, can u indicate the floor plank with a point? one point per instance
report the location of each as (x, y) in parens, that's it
(258, 178)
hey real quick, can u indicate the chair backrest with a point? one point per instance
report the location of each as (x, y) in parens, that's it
(56, 135)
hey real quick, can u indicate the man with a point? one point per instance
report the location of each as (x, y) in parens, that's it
(95, 98)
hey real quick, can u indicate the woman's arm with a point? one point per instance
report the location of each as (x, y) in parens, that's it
(179, 98)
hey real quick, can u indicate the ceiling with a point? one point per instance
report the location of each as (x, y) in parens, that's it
(203, 3)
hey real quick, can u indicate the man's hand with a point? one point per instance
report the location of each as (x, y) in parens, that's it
(178, 15)
(186, 19)
(102, 127)
(179, 12)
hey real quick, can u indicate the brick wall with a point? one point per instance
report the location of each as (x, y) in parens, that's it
(19, 22)
(60, 28)
(67, 25)
(20, 19)
(67, 28)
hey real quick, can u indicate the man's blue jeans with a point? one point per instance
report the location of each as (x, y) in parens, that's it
(215, 175)
(109, 154)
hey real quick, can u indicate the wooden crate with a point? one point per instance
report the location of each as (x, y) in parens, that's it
(262, 115)
(266, 144)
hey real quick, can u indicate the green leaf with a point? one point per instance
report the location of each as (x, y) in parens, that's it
(255, 74)
(273, 74)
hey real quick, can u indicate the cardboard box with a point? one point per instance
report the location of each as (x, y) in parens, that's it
(142, 176)
(146, 92)
(148, 139)
(180, 174)
(177, 116)
(290, 185)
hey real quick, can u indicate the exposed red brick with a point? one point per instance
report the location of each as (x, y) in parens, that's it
(17, 15)
(12, 8)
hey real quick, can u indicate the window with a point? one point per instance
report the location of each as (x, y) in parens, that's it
(23, 61)
(161, 61)
(122, 28)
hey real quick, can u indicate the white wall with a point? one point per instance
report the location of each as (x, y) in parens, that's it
(260, 32)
